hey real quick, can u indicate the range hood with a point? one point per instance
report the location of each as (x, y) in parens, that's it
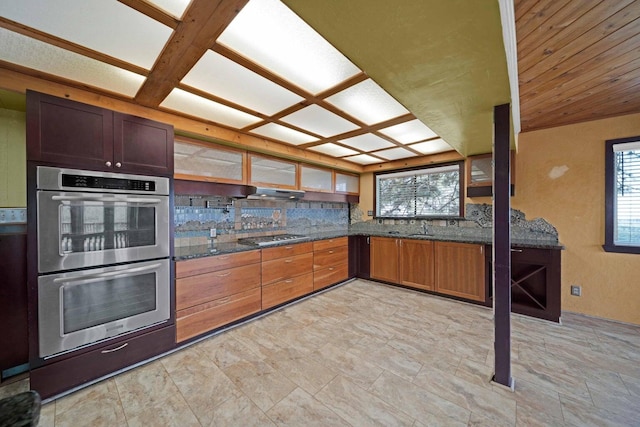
(266, 193)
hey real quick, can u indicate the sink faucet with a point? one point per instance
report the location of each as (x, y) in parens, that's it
(425, 228)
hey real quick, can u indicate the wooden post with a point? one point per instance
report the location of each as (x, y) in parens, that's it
(502, 245)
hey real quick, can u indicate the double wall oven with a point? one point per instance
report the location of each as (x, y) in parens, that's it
(103, 256)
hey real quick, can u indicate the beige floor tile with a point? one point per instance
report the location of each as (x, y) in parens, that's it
(359, 371)
(150, 397)
(378, 353)
(468, 395)
(202, 384)
(359, 407)
(97, 405)
(536, 406)
(418, 402)
(260, 382)
(225, 351)
(632, 384)
(47, 415)
(240, 411)
(14, 387)
(301, 409)
(307, 373)
(580, 414)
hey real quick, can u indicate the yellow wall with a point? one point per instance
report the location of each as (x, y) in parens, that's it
(13, 158)
(560, 177)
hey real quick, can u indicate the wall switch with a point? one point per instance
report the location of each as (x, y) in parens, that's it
(212, 232)
(576, 290)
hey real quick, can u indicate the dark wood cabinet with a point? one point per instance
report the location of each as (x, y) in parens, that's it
(69, 133)
(460, 270)
(359, 256)
(535, 282)
(13, 304)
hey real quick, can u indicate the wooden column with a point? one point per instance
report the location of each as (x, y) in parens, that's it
(502, 245)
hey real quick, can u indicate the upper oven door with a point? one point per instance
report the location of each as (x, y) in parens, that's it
(80, 230)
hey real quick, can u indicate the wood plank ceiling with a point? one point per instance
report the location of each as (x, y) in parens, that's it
(578, 60)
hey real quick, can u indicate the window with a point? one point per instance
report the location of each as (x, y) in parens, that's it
(425, 192)
(622, 195)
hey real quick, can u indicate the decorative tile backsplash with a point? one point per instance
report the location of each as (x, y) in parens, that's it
(232, 219)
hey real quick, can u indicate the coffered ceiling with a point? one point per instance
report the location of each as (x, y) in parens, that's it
(364, 81)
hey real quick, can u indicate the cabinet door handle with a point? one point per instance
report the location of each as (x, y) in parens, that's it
(368, 240)
(331, 268)
(224, 274)
(107, 164)
(288, 281)
(288, 261)
(118, 164)
(115, 349)
(330, 252)
(288, 247)
(516, 250)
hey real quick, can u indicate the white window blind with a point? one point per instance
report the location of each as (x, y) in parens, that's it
(424, 192)
(627, 194)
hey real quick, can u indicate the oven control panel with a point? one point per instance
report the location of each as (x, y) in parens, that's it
(107, 183)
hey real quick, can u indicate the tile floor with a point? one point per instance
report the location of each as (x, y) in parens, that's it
(366, 354)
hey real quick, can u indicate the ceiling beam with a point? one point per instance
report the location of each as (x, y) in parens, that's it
(203, 22)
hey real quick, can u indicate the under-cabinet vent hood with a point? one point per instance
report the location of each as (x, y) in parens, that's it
(276, 193)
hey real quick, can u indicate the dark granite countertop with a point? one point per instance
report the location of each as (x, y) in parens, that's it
(190, 252)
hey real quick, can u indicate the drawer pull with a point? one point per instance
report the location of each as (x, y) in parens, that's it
(224, 300)
(288, 247)
(330, 252)
(516, 250)
(115, 349)
(331, 268)
(288, 261)
(288, 281)
(224, 274)
(223, 257)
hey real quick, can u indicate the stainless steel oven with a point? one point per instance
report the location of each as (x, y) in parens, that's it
(91, 218)
(103, 256)
(83, 307)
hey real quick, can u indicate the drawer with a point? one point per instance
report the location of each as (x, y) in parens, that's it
(203, 318)
(286, 251)
(320, 245)
(330, 257)
(329, 276)
(286, 268)
(286, 290)
(66, 374)
(203, 265)
(194, 290)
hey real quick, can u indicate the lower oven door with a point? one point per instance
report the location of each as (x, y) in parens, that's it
(82, 307)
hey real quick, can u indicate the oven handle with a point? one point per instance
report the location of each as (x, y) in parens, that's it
(108, 199)
(107, 274)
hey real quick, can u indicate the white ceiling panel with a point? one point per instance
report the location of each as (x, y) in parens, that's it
(188, 103)
(273, 36)
(334, 150)
(317, 120)
(220, 76)
(363, 159)
(395, 153)
(283, 133)
(431, 147)
(408, 132)
(367, 142)
(368, 102)
(108, 27)
(174, 7)
(37, 55)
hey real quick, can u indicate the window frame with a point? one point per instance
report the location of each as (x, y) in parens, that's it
(461, 183)
(610, 194)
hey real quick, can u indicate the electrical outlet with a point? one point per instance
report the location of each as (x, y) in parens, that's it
(212, 232)
(576, 290)
(370, 213)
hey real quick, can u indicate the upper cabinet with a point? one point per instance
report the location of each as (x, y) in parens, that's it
(272, 172)
(316, 179)
(207, 162)
(347, 183)
(69, 133)
(479, 175)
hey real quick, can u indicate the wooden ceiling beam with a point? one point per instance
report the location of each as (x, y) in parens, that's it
(203, 22)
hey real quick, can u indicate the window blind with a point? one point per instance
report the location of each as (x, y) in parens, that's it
(419, 193)
(627, 194)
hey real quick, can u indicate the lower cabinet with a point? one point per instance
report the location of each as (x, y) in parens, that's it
(75, 371)
(287, 273)
(417, 264)
(214, 291)
(460, 270)
(385, 256)
(330, 262)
